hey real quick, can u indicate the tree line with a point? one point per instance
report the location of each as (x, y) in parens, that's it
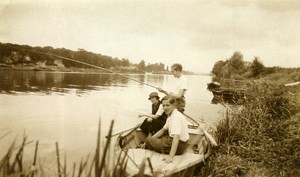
(13, 54)
(235, 68)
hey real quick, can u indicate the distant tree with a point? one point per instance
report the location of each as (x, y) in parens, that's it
(155, 67)
(142, 65)
(236, 63)
(47, 49)
(161, 67)
(257, 67)
(80, 49)
(218, 67)
(125, 62)
(225, 72)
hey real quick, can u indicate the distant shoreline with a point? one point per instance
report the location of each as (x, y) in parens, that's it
(79, 70)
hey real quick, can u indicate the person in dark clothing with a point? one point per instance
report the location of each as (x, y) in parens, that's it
(157, 119)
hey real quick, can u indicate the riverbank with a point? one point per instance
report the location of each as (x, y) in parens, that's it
(119, 70)
(261, 137)
(64, 69)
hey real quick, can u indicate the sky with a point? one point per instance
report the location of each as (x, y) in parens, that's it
(196, 34)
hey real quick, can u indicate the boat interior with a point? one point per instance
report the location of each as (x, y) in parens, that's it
(197, 151)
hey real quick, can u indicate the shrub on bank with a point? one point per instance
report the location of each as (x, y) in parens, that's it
(264, 134)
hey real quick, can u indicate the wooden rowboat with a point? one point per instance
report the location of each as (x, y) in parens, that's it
(152, 162)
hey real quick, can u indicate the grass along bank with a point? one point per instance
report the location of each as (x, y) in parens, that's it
(261, 138)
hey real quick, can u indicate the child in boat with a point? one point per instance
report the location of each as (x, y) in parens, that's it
(155, 121)
(173, 137)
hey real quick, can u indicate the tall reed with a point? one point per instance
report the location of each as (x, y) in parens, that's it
(100, 163)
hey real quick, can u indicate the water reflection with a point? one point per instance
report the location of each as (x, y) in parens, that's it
(13, 81)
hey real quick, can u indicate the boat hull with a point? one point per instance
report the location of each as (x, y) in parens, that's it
(228, 96)
(127, 143)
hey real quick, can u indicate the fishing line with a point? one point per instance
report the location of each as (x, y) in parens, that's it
(87, 64)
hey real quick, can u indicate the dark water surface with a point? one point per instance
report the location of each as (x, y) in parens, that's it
(66, 107)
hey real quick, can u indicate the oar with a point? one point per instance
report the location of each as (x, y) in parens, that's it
(123, 131)
(207, 135)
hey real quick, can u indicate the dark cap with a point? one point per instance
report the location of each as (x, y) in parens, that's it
(153, 94)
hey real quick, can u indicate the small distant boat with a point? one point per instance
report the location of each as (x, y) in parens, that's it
(230, 96)
(229, 91)
(128, 141)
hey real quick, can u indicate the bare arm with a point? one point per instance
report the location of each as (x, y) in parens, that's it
(159, 133)
(173, 150)
(180, 94)
(149, 115)
(162, 91)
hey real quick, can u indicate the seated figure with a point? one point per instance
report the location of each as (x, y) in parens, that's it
(157, 119)
(173, 138)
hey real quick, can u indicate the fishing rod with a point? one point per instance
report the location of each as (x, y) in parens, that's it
(91, 65)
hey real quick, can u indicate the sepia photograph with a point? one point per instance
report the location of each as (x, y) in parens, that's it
(133, 88)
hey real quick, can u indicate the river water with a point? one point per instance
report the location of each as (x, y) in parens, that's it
(66, 107)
